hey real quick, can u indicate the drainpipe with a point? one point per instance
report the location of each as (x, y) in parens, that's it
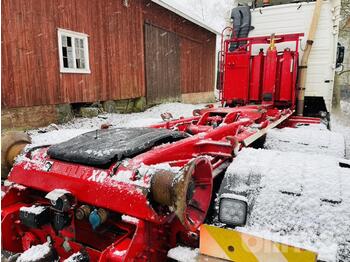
(305, 58)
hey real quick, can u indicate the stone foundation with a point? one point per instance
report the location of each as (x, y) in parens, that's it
(28, 117)
(39, 116)
(196, 98)
(22, 118)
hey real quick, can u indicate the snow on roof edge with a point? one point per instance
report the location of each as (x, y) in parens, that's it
(180, 13)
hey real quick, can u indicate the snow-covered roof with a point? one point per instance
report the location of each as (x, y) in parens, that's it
(182, 10)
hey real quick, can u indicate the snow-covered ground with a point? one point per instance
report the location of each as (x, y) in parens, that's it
(183, 254)
(341, 123)
(59, 133)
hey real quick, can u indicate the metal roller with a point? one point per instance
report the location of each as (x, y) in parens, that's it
(187, 192)
(12, 144)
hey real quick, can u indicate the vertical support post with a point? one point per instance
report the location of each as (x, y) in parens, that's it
(305, 57)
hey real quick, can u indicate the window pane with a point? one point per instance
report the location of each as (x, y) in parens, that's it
(70, 52)
(69, 41)
(64, 51)
(64, 40)
(70, 63)
(77, 63)
(76, 42)
(65, 62)
(80, 63)
(82, 54)
(79, 50)
(79, 53)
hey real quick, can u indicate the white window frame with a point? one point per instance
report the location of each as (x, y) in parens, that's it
(63, 32)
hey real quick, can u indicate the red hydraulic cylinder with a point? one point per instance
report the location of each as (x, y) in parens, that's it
(269, 79)
(278, 76)
(295, 73)
(236, 80)
(286, 81)
(257, 66)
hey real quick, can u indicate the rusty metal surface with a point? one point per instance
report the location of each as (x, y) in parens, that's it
(162, 187)
(12, 144)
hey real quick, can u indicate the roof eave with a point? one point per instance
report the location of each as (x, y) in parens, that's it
(182, 14)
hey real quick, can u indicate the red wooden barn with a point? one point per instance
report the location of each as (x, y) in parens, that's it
(61, 53)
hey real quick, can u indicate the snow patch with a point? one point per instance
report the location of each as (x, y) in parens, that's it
(99, 152)
(144, 175)
(74, 257)
(130, 219)
(152, 169)
(183, 254)
(35, 162)
(56, 136)
(10, 184)
(34, 253)
(82, 125)
(36, 210)
(125, 176)
(313, 139)
(56, 194)
(234, 196)
(119, 253)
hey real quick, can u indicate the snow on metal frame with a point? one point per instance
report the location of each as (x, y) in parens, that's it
(33, 209)
(34, 253)
(314, 139)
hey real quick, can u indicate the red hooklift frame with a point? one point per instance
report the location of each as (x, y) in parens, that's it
(217, 134)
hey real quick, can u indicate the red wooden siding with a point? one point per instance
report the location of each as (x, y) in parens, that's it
(197, 66)
(162, 57)
(30, 65)
(197, 47)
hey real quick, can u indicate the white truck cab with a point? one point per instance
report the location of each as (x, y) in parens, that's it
(296, 18)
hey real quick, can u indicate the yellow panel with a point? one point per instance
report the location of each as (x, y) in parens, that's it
(292, 253)
(240, 247)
